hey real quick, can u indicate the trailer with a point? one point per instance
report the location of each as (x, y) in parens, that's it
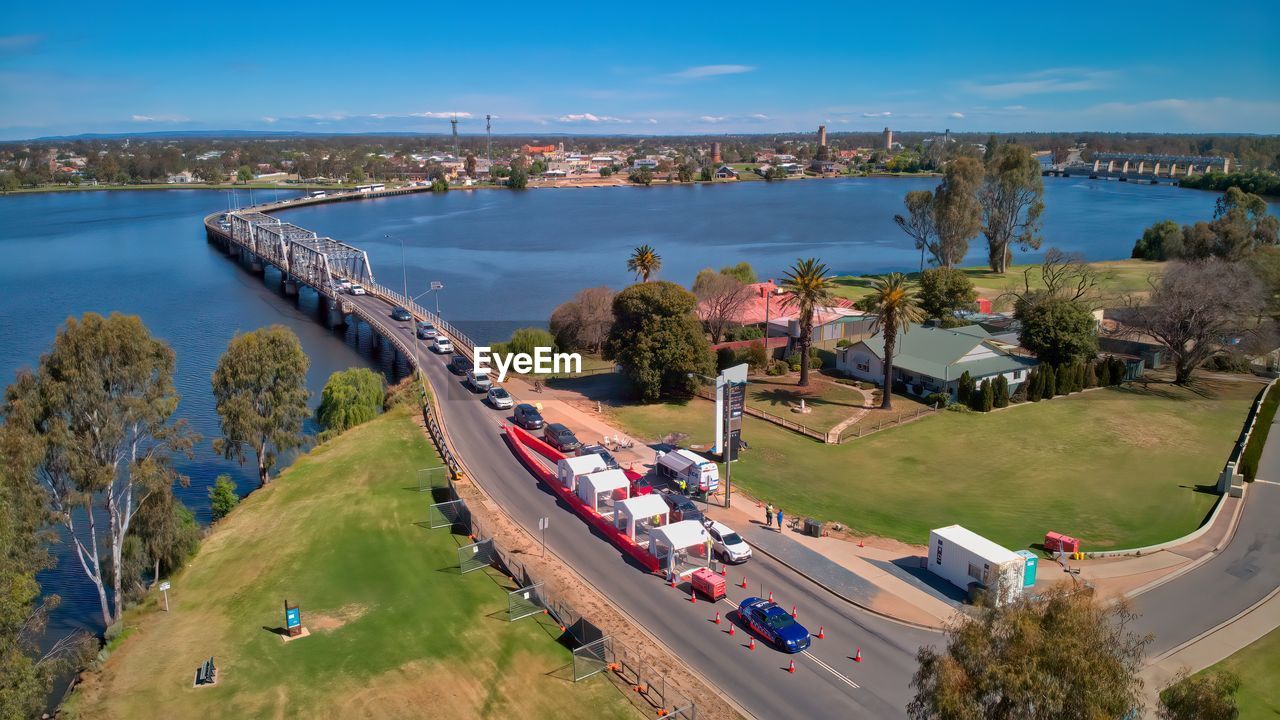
(963, 558)
(695, 471)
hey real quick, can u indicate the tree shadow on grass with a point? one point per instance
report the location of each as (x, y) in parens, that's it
(1204, 489)
(784, 398)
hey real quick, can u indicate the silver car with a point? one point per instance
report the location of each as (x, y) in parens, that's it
(500, 398)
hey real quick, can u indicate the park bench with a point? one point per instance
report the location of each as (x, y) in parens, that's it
(207, 673)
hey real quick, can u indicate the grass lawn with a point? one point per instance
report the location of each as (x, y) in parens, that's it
(1118, 278)
(830, 403)
(396, 631)
(1258, 667)
(1116, 467)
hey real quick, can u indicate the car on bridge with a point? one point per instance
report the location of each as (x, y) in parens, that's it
(528, 417)
(401, 314)
(426, 330)
(358, 289)
(561, 438)
(442, 345)
(479, 381)
(500, 398)
(774, 624)
(343, 285)
(459, 365)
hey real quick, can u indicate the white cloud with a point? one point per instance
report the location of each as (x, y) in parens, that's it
(652, 121)
(159, 118)
(1015, 108)
(592, 118)
(268, 119)
(1199, 114)
(712, 119)
(706, 71)
(957, 115)
(439, 115)
(884, 114)
(1052, 80)
(759, 116)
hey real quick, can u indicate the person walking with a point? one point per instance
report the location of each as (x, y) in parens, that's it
(779, 519)
(768, 515)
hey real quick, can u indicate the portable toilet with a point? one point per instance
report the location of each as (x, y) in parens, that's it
(1029, 574)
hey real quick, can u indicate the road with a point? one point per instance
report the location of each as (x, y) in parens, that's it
(1241, 574)
(826, 678)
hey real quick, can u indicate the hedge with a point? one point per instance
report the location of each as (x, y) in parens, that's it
(1258, 438)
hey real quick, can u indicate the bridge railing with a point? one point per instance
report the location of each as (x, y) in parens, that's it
(460, 338)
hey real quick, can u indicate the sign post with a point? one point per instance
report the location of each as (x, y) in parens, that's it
(292, 619)
(164, 588)
(731, 398)
(543, 522)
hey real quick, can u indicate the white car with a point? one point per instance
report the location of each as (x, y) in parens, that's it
(500, 399)
(728, 544)
(344, 286)
(357, 289)
(479, 381)
(442, 345)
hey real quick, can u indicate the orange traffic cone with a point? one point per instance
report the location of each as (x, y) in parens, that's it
(770, 596)
(792, 667)
(860, 544)
(744, 582)
(693, 597)
(820, 635)
(717, 617)
(857, 656)
(752, 644)
(673, 581)
(793, 611)
(731, 628)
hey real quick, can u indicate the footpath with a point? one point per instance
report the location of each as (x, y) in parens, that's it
(882, 575)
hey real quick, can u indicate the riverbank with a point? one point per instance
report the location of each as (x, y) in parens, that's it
(393, 628)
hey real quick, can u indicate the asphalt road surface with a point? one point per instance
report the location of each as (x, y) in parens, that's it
(826, 681)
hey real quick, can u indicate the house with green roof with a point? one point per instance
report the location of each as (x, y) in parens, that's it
(932, 359)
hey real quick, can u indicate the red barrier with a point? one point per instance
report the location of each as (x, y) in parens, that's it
(520, 442)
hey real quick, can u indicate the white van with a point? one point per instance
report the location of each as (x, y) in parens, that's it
(697, 472)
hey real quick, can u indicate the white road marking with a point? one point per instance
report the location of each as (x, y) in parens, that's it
(830, 669)
(1266, 482)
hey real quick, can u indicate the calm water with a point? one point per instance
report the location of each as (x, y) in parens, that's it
(506, 260)
(513, 257)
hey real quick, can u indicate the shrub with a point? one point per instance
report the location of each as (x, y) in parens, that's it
(899, 387)
(844, 343)
(1258, 438)
(1091, 375)
(1050, 382)
(1034, 385)
(776, 368)
(957, 407)
(725, 357)
(1000, 392)
(350, 397)
(937, 399)
(1229, 363)
(965, 389)
(1020, 395)
(757, 356)
(986, 397)
(222, 497)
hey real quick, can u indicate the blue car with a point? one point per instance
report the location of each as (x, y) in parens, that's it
(774, 624)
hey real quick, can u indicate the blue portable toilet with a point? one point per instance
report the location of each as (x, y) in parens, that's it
(1028, 574)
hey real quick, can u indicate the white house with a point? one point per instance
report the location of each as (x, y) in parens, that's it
(932, 359)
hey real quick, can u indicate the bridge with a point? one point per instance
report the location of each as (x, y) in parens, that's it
(1144, 168)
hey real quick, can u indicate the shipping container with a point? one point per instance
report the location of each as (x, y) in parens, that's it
(963, 558)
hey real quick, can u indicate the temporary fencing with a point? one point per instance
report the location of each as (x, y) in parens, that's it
(448, 514)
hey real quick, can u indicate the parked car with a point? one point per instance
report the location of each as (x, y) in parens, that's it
(479, 381)
(459, 365)
(358, 289)
(681, 507)
(561, 438)
(774, 624)
(602, 452)
(528, 417)
(426, 330)
(442, 345)
(728, 544)
(344, 285)
(399, 313)
(499, 398)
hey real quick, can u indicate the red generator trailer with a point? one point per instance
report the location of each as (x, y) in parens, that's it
(708, 583)
(1057, 542)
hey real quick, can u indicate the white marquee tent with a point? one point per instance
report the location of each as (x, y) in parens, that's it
(639, 509)
(605, 482)
(570, 470)
(680, 544)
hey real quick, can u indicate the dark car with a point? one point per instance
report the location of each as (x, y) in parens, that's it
(399, 313)
(459, 365)
(602, 452)
(528, 417)
(561, 438)
(426, 331)
(774, 624)
(682, 508)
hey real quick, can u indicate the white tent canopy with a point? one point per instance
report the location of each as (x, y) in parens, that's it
(590, 487)
(669, 543)
(639, 508)
(570, 469)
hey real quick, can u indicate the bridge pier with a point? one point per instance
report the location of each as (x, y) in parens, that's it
(290, 287)
(256, 265)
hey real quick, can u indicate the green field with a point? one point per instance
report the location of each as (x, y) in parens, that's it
(1116, 467)
(1258, 667)
(1117, 278)
(396, 631)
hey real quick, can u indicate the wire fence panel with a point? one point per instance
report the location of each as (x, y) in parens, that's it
(475, 556)
(524, 602)
(432, 478)
(591, 658)
(449, 514)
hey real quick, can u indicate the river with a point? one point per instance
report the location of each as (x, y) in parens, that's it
(506, 259)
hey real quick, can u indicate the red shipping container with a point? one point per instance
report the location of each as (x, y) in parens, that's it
(708, 583)
(1057, 542)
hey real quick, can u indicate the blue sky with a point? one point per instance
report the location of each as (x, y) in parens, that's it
(645, 68)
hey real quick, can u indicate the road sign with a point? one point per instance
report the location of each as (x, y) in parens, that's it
(543, 522)
(164, 585)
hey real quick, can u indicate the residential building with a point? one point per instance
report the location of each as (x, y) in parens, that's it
(932, 359)
(640, 163)
(183, 177)
(724, 172)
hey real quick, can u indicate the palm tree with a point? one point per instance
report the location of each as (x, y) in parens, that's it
(644, 262)
(894, 303)
(809, 287)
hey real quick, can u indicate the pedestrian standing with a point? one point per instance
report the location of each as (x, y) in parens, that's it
(768, 515)
(779, 519)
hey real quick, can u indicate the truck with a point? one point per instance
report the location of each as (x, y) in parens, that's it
(696, 472)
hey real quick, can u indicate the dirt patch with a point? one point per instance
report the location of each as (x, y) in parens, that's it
(328, 622)
(559, 581)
